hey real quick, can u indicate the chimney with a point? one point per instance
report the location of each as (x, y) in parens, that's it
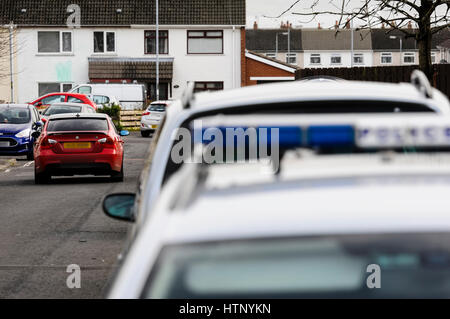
(382, 26)
(336, 25)
(319, 27)
(409, 25)
(255, 25)
(288, 25)
(347, 25)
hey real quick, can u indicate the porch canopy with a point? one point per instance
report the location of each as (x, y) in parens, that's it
(139, 69)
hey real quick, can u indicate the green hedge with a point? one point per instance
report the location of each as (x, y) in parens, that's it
(114, 112)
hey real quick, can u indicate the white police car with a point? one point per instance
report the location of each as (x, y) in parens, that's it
(358, 208)
(347, 98)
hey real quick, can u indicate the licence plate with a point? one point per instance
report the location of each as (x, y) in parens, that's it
(4, 144)
(77, 145)
(154, 126)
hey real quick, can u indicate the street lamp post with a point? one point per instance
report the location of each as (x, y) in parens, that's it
(289, 42)
(11, 30)
(393, 37)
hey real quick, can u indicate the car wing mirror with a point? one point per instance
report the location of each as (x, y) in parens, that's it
(36, 134)
(124, 133)
(120, 206)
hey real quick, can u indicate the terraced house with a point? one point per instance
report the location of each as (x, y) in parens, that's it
(199, 40)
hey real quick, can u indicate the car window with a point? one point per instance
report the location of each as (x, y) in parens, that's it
(80, 124)
(157, 107)
(72, 99)
(14, 115)
(100, 99)
(84, 90)
(57, 109)
(53, 99)
(318, 267)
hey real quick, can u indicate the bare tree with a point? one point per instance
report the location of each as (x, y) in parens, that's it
(428, 16)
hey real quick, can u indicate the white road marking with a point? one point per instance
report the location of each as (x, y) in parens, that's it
(7, 171)
(28, 164)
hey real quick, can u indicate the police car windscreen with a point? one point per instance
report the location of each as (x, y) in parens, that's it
(405, 265)
(80, 124)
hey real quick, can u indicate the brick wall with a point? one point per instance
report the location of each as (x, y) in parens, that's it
(256, 68)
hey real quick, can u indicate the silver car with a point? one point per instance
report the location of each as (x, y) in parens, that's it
(152, 117)
(64, 108)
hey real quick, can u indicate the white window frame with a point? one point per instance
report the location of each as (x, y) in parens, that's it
(315, 55)
(105, 49)
(336, 55)
(409, 54)
(433, 55)
(358, 55)
(61, 85)
(60, 42)
(271, 55)
(386, 54)
(289, 56)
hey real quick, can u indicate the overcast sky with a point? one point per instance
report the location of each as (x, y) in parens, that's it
(257, 9)
(260, 10)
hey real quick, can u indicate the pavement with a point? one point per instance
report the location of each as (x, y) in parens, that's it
(46, 228)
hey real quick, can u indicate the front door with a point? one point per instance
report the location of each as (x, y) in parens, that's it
(163, 91)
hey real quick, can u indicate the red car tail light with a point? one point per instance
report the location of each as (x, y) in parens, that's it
(47, 143)
(106, 142)
(145, 113)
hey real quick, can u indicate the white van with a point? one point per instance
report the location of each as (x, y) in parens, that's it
(130, 96)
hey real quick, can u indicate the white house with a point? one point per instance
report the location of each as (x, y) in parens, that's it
(200, 41)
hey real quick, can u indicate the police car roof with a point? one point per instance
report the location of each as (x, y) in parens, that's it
(316, 91)
(356, 194)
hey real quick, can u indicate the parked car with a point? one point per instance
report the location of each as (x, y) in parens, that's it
(44, 101)
(101, 100)
(64, 108)
(371, 216)
(79, 144)
(152, 116)
(18, 122)
(130, 96)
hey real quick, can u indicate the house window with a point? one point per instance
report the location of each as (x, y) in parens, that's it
(433, 57)
(291, 58)
(271, 55)
(45, 88)
(386, 58)
(104, 42)
(54, 42)
(314, 59)
(358, 58)
(150, 42)
(208, 86)
(336, 59)
(408, 58)
(207, 42)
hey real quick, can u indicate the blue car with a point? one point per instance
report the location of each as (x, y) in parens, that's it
(17, 124)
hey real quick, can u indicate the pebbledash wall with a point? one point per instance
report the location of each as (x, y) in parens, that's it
(34, 68)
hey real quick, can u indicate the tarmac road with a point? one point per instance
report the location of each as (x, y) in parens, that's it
(45, 228)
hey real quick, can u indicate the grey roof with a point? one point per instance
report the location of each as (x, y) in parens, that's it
(265, 40)
(103, 12)
(381, 39)
(325, 39)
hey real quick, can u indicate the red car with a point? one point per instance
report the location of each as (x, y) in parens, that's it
(44, 101)
(78, 144)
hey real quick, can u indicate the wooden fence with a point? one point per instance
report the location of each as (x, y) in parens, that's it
(393, 74)
(130, 120)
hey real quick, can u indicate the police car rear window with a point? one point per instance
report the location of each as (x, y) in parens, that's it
(80, 124)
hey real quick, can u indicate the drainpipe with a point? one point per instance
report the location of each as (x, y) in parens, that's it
(11, 29)
(157, 50)
(234, 58)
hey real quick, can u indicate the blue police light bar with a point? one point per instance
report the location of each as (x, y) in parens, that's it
(384, 133)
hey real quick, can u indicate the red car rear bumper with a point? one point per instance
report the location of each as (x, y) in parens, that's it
(108, 159)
